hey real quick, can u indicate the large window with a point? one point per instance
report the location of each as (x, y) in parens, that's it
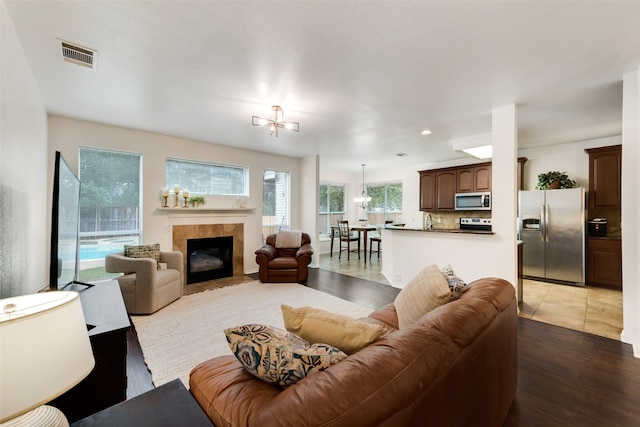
(275, 202)
(386, 202)
(207, 178)
(110, 214)
(331, 206)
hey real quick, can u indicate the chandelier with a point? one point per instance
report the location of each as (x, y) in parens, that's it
(363, 199)
(277, 122)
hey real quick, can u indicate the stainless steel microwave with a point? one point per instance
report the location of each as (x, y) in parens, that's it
(473, 201)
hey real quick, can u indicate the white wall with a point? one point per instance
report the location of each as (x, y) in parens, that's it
(66, 135)
(309, 203)
(631, 209)
(24, 242)
(570, 158)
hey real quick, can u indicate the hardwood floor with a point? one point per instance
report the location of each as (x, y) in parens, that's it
(565, 377)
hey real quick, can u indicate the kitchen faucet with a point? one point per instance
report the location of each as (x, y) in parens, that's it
(428, 222)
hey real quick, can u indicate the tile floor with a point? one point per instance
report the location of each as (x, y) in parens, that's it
(593, 310)
(589, 309)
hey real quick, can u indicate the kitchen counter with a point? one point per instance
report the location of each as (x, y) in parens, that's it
(440, 230)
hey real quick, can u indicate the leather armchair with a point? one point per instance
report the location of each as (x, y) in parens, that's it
(284, 265)
(145, 289)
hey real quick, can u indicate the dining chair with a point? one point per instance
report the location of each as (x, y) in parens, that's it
(347, 237)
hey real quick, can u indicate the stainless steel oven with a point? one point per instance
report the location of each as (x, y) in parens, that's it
(477, 224)
(473, 201)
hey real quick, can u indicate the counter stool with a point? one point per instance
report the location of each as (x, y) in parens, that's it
(377, 240)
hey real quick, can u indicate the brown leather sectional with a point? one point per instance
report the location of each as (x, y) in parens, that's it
(456, 366)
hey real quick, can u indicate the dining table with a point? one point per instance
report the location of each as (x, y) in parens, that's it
(362, 230)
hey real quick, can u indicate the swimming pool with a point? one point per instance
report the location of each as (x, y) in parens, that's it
(87, 253)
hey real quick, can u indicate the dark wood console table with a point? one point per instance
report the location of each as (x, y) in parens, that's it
(170, 405)
(107, 323)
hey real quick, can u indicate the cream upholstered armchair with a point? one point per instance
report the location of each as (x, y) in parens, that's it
(145, 288)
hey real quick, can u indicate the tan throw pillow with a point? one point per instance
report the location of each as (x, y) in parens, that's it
(428, 290)
(144, 251)
(319, 326)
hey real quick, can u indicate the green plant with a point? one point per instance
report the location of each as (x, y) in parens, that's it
(553, 180)
(196, 201)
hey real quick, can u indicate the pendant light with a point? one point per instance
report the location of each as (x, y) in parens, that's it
(363, 200)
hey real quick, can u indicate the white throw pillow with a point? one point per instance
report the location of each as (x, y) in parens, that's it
(428, 290)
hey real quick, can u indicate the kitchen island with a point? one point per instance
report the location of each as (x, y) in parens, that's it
(440, 230)
(473, 254)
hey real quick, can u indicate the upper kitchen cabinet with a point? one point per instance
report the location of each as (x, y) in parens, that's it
(446, 190)
(605, 165)
(427, 190)
(438, 190)
(438, 187)
(520, 173)
(474, 178)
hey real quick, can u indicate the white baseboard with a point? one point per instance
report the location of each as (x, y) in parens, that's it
(629, 340)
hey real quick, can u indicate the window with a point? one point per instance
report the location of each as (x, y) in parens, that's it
(386, 202)
(331, 206)
(275, 202)
(207, 178)
(109, 207)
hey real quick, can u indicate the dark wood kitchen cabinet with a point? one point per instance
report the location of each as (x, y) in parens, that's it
(604, 263)
(438, 190)
(605, 169)
(427, 191)
(473, 178)
(438, 187)
(446, 190)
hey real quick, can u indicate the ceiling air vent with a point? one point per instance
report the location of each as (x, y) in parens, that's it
(78, 55)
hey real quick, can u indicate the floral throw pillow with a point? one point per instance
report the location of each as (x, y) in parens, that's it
(456, 284)
(144, 251)
(278, 357)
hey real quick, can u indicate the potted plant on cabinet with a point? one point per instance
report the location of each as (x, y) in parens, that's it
(553, 180)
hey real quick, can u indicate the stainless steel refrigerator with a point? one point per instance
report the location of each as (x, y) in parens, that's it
(552, 225)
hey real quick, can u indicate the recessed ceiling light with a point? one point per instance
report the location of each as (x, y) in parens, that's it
(425, 132)
(401, 154)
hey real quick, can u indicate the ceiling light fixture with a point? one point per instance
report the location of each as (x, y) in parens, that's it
(425, 132)
(363, 199)
(478, 146)
(277, 122)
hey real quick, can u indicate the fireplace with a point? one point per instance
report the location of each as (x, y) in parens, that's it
(209, 258)
(181, 233)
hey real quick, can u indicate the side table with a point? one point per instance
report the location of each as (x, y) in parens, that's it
(107, 324)
(170, 405)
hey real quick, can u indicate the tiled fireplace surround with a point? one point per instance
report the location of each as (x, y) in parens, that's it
(181, 233)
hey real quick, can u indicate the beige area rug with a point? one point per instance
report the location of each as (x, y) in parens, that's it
(189, 331)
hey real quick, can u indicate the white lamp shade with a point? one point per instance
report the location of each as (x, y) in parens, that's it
(44, 350)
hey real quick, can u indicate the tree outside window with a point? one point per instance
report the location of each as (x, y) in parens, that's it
(110, 210)
(386, 202)
(331, 206)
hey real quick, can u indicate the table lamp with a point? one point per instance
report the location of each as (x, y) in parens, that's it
(44, 351)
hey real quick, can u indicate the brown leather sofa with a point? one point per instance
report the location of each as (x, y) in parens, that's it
(284, 265)
(456, 366)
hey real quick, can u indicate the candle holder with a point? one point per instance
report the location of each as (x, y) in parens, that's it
(177, 204)
(185, 201)
(166, 198)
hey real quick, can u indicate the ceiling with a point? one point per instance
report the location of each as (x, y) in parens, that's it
(363, 78)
